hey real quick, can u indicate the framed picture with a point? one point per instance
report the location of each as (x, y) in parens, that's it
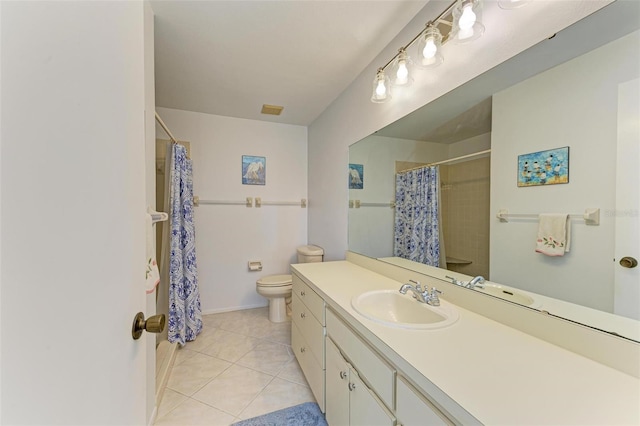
(356, 176)
(549, 167)
(254, 170)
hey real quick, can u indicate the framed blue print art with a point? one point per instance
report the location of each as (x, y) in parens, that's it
(549, 167)
(254, 170)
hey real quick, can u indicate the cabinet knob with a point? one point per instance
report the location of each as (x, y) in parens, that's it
(302, 315)
(343, 375)
(302, 293)
(352, 386)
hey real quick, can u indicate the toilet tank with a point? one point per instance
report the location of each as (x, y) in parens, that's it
(310, 254)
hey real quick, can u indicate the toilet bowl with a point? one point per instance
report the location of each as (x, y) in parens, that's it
(277, 288)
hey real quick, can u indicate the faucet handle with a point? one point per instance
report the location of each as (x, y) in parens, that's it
(417, 283)
(454, 280)
(433, 297)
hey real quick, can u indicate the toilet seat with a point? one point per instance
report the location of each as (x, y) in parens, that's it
(275, 281)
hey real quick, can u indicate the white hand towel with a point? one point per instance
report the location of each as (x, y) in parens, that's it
(554, 234)
(152, 271)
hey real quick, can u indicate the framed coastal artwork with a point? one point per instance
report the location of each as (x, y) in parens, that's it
(254, 170)
(549, 167)
(356, 176)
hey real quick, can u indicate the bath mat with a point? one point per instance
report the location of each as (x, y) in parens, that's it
(307, 414)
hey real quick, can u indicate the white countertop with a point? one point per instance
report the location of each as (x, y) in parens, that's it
(498, 374)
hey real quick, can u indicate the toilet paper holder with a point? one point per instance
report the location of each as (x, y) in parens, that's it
(255, 265)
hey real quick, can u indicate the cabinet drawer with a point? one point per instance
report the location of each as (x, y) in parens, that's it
(309, 297)
(370, 366)
(414, 409)
(309, 326)
(313, 371)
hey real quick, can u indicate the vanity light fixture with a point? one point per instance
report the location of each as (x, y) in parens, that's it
(400, 69)
(467, 21)
(381, 88)
(429, 48)
(461, 22)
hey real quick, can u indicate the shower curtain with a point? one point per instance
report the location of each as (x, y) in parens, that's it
(417, 233)
(185, 315)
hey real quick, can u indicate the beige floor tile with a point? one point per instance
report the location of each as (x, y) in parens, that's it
(203, 340)
(234, 389)
(183, 354)
(292, 372)
(277, 395)
(170, 400)
(230, 346)
(280, 333)
(195, 372)
(267, 357)
(194, 413)
(205, 387)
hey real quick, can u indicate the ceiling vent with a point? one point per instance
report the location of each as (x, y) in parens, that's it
(271, 109)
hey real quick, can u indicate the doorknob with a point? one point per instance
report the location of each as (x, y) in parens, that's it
(628, 262)
(154, 324)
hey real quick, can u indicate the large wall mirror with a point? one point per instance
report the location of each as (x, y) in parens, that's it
(578, 89)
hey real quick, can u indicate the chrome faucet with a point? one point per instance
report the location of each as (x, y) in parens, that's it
(475, 282)
(422, 296)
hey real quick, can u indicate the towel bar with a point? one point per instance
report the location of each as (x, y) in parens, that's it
(590, 216)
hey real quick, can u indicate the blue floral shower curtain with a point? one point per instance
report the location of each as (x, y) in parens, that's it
(185, 315)
(417, 224)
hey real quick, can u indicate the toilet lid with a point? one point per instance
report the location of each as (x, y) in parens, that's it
(274, 280)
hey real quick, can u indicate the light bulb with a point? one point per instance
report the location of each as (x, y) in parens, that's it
(468, 18)
(381, 90)
(402, 73)
(430, 49)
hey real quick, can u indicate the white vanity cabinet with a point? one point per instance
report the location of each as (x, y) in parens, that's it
(349, 400)
(367, 403)
(414, 409)
(307, 335)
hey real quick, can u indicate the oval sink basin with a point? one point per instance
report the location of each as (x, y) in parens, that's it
(393, 309)
(509, 294)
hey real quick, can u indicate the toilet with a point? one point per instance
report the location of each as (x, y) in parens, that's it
(277, 288)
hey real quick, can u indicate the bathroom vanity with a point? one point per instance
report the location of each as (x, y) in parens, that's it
(368, 368)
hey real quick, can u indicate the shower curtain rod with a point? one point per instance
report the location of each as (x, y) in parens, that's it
(165, 128)
(462, 157)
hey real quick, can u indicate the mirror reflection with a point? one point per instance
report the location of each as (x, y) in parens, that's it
(579, 89)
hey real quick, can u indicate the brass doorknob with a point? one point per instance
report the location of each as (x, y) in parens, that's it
(154, 324)
(628, 262)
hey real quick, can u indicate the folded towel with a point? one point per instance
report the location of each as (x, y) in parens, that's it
(152, 271)
(554, 234)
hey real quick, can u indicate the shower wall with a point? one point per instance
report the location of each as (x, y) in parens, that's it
(465, 215)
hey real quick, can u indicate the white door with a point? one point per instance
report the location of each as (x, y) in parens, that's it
(72, 213)
(627, 279)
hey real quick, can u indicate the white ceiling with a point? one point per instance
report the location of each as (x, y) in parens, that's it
(231, 57)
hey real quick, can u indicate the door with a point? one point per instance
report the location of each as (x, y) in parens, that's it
(627, 214)
(72, 197)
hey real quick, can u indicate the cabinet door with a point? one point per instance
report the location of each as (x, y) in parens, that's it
(413, 409)
(365, 408)
(337, 387)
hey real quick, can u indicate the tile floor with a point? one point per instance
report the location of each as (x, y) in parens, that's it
(240, 366)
